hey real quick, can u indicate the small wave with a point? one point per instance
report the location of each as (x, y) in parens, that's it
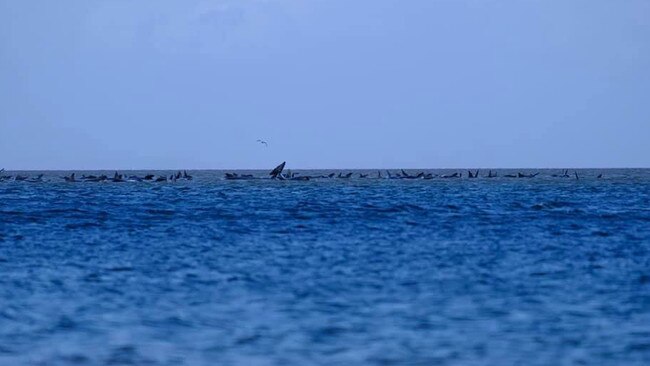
(83, 225)
(120, 269)
(601, 233)
(56, 211)
(161, 212)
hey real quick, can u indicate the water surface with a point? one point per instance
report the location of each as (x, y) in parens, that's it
(542, 271)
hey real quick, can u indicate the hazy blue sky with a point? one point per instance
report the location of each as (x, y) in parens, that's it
(328, 83)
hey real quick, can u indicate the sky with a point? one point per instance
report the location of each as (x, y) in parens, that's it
(192, 84)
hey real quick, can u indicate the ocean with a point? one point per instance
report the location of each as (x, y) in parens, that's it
(500, 271)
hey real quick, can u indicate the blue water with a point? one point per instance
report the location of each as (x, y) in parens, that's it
(542, 271)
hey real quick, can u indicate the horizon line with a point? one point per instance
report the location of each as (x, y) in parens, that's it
(271, 168)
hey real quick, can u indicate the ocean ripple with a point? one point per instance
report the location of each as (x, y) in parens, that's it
(335, 272)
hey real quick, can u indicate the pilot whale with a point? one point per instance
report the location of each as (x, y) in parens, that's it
(455, 175)
(278, 170)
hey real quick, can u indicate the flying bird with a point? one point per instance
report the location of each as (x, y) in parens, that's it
(263, 142)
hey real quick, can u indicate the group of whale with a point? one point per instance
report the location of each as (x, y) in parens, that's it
(278, 173)
(20, 178)
(116, 178)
